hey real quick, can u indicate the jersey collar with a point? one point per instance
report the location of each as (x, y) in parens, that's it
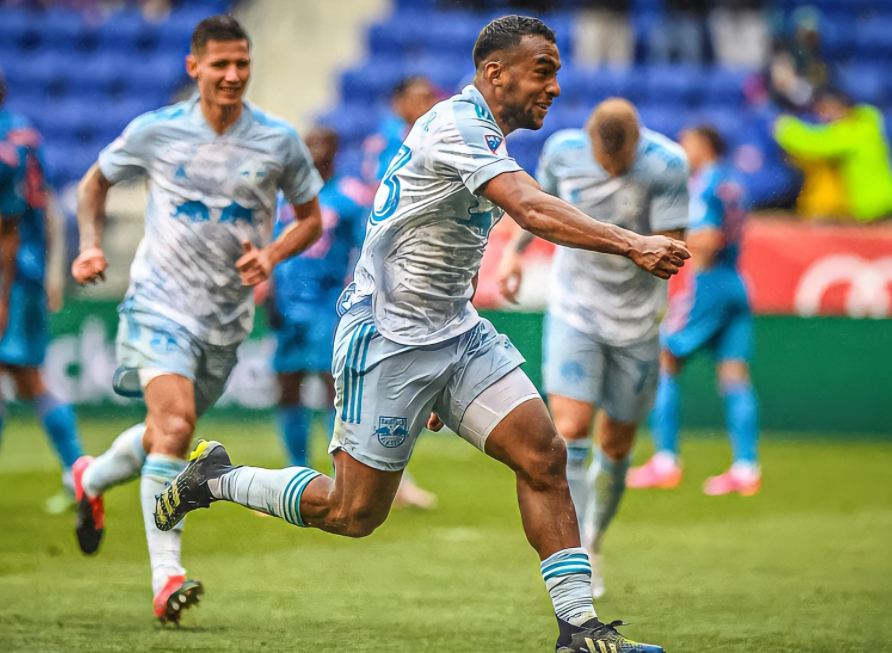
(475, 97)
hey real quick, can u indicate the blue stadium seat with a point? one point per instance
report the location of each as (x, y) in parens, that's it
(663, 119)
(725, 87)
(864, 83)
(873, 40)
(353, 122)
(678, 85)
(373, 82)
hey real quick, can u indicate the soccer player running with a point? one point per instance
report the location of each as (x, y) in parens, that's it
(303, 292)
(25, 229)
(601, 345)
(712, 314)
(214, 166)
(411, 349)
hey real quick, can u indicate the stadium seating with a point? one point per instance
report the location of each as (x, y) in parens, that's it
(82, 79)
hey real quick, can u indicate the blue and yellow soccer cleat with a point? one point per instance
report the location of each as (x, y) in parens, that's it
(596, 637)
(190, 490)
(178, 594)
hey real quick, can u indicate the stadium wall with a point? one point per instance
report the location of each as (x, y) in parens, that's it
(823, 374)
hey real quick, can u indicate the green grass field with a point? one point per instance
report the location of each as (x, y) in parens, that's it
(804, 566)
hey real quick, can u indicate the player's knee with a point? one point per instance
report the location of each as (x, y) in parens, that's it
(616, 438)
(572, 427)
(174, 431)
(545, 464)
(733, 372)
(359, 523)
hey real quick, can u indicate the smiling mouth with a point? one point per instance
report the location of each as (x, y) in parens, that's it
(543, 106)
(229, 89)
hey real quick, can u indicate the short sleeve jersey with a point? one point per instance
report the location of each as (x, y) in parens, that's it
(23, 195)
(429, 226)
(208, 193)
(601, 294)
(310, 283)
(719, 201)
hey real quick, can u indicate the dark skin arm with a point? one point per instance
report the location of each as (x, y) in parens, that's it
(9, 249)
(554, 220)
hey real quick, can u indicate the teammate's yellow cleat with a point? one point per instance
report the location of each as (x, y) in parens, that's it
(190, 490)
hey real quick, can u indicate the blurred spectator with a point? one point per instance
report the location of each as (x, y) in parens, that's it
(412, 97)
(682, 35)
(740, 34)
(603, 33)
(852, 143)
(797, 67)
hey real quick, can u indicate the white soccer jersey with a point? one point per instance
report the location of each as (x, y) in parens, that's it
(601, 294)
(428, 228)
(208, 193)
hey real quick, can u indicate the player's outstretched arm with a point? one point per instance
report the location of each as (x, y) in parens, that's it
(92, 191)
(546, 216)
(256, 265)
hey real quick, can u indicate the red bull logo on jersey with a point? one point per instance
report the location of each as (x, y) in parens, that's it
(392, 431)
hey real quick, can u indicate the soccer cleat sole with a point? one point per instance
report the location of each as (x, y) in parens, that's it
(88, 536)
(180, 601)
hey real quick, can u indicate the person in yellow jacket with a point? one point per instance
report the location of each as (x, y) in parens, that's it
(852, 141)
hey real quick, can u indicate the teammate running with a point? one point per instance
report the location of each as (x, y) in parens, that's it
(713, 314)
(214, 165)
(601, 346)
(24, 323)
(410, 343)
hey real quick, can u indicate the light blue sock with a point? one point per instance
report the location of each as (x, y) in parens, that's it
(294, 427)
(568, 577)
(607, 478)
(742, 417)
(577, 473)
(164, 546)
(665, 419)
(58, 421)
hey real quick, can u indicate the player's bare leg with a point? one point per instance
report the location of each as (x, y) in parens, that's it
(170, 423)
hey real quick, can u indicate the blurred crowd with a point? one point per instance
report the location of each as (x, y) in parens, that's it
(152, 10)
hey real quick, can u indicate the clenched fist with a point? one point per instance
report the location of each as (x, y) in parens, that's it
(89, 267)
(659, 255)
(254, 266)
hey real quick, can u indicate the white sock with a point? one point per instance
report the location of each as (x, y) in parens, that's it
(608, 478)
(276, 492)
(568, 577)
(577, 477)
(120, 463)
(164, 547)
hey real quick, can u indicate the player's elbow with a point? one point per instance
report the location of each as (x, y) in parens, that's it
(530, 214)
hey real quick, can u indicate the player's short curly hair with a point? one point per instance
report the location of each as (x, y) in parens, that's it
(712, 136)
(217, 28)
(505, 33)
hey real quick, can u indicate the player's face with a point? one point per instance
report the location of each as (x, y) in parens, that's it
(416, 101)
(530, 83)
(323, 150)
(222, 71)
(696, 148)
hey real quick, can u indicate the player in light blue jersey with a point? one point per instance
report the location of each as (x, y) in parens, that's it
(214, 165)
(411, 350)
(24, 322)
(601, 347)
(712, 314)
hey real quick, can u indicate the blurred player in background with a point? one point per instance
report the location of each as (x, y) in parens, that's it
(24, 325)
(412, 97)
(601, 348)
(411, 350)
(305, 290)
(712, 314)
(214, 165)
(303, 294)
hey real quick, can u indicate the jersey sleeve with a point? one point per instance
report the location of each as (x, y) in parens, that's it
(128, 156)
(707, 210)
(474, 150)
(670, 206)
(300, 182)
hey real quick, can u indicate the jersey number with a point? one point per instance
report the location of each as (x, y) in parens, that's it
(392, 184)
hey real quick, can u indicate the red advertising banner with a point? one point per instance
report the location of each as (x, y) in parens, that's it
(791, 268)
